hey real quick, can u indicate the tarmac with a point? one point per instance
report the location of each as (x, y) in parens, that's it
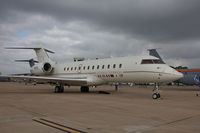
(31, 109)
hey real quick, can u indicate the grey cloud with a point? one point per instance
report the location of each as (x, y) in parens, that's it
(155, 20)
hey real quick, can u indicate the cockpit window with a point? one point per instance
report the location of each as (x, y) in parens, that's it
(150, 61)
(158, 62)
(147, 61)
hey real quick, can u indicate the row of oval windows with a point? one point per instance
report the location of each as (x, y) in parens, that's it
(88, 67)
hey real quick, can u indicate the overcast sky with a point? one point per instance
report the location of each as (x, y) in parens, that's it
(99, 28)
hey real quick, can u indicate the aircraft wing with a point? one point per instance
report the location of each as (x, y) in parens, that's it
(45, 79)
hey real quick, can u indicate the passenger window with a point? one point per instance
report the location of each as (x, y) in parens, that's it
(68, 69)
(71, 68)
(88, 67)
(114, 65)
(93, 67)
(108, 66)
(84, 68)
(75, 68)
(64, 68)
(98, 67)
(103, 67)
(120, 65)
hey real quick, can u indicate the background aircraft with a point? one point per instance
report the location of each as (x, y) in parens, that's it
(191, 76)
(136, 69)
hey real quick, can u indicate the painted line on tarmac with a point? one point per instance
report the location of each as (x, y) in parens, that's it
(57, 126)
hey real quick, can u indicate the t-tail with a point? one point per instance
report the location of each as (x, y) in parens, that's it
(41, 52)
(44, 64)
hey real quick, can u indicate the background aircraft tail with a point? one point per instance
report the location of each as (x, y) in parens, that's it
(153, 52)
(197, 79)
(41, 53)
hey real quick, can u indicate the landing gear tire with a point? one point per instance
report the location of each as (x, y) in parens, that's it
(59, 89)
(156, 93)
(155, 96)
(56, 89)
(84, 89)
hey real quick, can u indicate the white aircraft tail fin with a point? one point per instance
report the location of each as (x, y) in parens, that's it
(41, 52)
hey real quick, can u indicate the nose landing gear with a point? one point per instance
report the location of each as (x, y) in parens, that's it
(156, 93)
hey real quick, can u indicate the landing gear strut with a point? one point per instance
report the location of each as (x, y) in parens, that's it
(84, 89)
(59, 89)
(156, 93)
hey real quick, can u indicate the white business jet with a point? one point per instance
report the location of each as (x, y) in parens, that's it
(133, 69)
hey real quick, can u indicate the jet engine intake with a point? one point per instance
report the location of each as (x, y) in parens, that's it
(47, 67)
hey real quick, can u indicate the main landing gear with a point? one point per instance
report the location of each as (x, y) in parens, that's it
(59, 89)
(198, 94)
(84, 89)
(156, 93)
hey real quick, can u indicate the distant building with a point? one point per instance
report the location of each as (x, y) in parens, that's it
(181, 67)
(78, 59)
(4, 79)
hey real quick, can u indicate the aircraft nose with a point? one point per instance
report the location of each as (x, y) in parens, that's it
(178, 74)
(174, 75)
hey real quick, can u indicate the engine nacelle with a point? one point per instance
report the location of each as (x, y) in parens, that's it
(47, 67)
(42, 68)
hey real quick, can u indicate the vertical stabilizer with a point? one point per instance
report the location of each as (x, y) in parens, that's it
(42, 55)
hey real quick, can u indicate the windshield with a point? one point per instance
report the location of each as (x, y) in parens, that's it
(152, 61)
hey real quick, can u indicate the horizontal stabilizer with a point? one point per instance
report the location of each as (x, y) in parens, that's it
(31, 62)
(26, 61)
(34, 48)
